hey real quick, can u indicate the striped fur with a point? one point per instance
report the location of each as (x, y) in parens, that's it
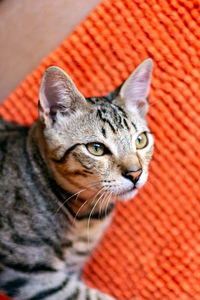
(57, 198)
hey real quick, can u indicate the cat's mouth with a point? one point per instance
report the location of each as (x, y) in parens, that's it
(126, 191)
(126, 194)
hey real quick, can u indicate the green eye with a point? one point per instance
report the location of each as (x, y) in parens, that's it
(141, 141)
(96, 149)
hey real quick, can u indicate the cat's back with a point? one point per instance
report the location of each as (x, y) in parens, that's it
(7, 127)
(11, 134)
(12, 143)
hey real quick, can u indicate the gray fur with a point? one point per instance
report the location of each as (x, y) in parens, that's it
(54, 192)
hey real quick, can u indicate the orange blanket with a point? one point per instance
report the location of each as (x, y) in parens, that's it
(152, 249)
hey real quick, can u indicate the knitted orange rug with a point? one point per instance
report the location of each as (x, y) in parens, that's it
(152, 249)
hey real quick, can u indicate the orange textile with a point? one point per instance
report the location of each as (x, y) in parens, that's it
(152, 249)
(2, 297)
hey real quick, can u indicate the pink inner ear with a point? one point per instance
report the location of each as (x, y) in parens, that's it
(136, 88)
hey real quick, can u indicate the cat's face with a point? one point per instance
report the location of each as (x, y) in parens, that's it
(97, 146)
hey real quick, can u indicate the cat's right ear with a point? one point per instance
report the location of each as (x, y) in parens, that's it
(134, 91)
(57, 93)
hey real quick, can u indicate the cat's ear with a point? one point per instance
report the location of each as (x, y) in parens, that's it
(134, 91)
(57, 93)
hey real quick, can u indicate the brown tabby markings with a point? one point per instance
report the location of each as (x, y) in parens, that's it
(57, 196)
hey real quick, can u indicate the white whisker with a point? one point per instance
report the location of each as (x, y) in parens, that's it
(65, 201)
(102, 203)
(79, 211)
(108, 200)
(86, 187)
(92, 212)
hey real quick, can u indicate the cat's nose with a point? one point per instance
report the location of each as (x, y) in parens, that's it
(133, 175)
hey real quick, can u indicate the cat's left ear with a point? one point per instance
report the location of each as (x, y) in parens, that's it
(134, 91)
(58, 94)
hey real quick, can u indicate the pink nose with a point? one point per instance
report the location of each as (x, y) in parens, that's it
(133, 175)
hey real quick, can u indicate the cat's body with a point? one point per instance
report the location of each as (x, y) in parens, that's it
(59, 181)
(36, 236)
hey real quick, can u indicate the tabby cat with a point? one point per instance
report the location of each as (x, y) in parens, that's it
(60, 179)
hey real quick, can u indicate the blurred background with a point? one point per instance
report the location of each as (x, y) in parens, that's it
(152, 248)
(29, 30)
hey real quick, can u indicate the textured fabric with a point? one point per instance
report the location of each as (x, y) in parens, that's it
(152, 249)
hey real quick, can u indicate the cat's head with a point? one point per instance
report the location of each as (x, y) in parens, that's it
(101, 146)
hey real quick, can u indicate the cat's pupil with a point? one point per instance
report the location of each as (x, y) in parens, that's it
(96, 147)
(139, 139)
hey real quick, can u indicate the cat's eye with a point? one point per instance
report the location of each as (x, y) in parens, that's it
(97, 149)
(141, 141)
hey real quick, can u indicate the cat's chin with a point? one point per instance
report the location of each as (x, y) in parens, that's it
(126, 195)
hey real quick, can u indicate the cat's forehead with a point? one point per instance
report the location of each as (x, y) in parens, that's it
(115, 116)
(111, 114)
